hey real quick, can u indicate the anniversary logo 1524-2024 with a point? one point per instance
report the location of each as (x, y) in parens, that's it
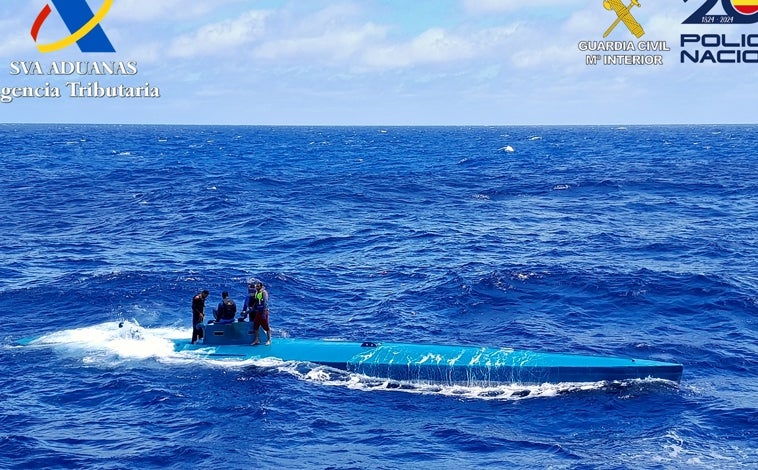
(733, 48)
(89, 36)
(627, 22)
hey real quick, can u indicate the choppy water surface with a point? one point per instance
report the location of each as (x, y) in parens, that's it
(636, 241)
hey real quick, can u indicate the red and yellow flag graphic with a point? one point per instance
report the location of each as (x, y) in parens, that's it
(746, 7)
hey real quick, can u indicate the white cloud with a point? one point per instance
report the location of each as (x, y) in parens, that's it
(14, 37)
(500, 6)
(542, 57)
(432, 46)
(166, 11)
(221, 38)
(339, 45)
(340, 36)
(438, 46)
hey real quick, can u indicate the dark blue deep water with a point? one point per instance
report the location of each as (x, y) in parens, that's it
(638, 241)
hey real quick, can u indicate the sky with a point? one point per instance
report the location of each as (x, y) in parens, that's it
(383, 62)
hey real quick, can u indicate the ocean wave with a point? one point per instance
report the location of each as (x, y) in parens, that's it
(635, 243)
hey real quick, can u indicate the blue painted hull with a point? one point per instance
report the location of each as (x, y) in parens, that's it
(431, 363)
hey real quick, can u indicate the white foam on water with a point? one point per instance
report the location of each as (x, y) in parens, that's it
(111, 341)
(328, 376)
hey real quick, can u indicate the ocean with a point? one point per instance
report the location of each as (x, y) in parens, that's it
(633, 241)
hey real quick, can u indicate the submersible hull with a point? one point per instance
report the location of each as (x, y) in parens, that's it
(429, 363)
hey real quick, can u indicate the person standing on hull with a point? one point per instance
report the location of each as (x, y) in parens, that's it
(247, 306)
(260, 313)
(198, 315)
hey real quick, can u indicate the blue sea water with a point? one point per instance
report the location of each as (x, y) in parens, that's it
(638, 241)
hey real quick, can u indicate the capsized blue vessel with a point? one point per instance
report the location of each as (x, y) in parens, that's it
(429, 363)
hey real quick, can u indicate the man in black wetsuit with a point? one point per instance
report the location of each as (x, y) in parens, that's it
(226, 309)
(198, 315)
